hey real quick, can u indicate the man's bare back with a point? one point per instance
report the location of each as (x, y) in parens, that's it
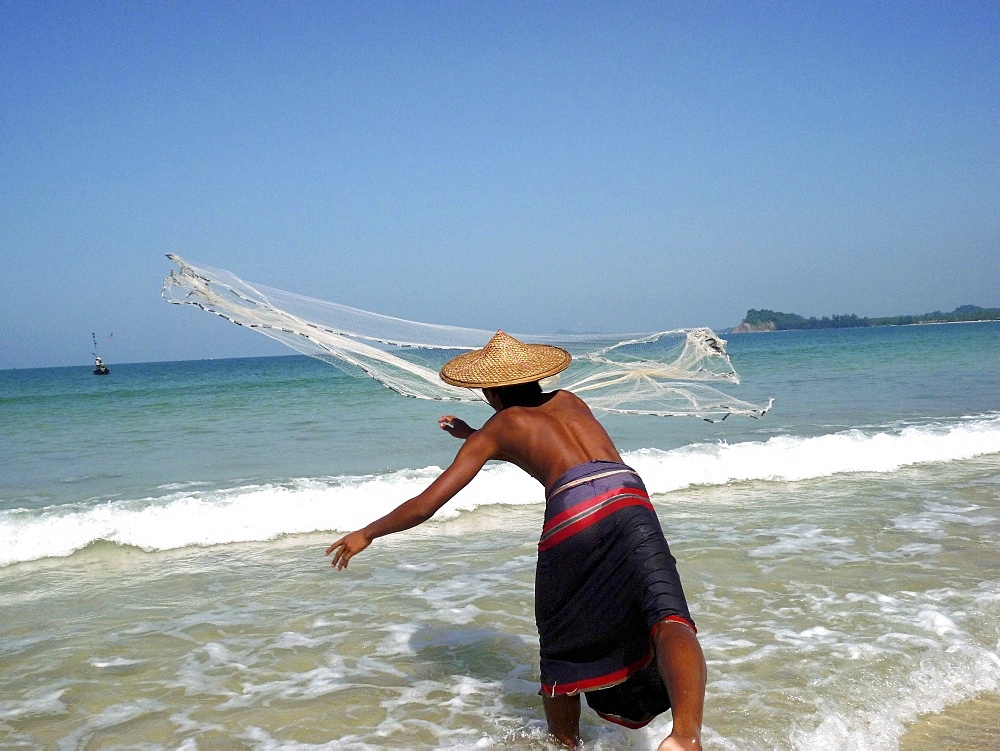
(547, 438)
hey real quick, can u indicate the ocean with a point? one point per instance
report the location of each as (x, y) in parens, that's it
(163, 583)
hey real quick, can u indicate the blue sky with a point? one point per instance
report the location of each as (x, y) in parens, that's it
(533, 166)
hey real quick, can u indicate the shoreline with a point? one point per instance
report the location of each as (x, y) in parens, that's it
(766, 330)
(973, 724)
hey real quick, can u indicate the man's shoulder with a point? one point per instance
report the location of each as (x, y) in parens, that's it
(554, 405)
(512, 418)
(567, 400)
(567, 396)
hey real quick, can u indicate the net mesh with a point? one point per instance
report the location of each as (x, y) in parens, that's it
(657, 373)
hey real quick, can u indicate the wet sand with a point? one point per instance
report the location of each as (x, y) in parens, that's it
(972, 726)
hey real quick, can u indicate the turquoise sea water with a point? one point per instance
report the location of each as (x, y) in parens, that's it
(162, 583)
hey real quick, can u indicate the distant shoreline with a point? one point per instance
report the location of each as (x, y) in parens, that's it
(739, 330)
(762, 321)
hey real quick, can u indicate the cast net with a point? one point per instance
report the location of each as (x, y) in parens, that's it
(653, 373)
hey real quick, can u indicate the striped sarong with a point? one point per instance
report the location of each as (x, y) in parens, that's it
(605, 578)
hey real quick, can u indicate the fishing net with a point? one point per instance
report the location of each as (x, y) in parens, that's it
(655, 373)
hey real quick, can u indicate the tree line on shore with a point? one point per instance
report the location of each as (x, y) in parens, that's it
(770, 320)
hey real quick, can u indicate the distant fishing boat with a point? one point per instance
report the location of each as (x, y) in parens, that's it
(99, 367)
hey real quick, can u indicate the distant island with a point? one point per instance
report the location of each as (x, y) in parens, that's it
(770, 320)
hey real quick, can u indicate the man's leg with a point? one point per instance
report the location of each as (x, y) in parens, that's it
(682, 667)
(563, 715)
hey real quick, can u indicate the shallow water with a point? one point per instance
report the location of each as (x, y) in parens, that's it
(839, 556)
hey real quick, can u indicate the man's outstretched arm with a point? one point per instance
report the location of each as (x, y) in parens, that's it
(475, 452)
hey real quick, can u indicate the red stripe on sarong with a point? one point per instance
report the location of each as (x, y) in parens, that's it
(590, 511)
(602, 681)
(581, 507)
(623, 722)
(676, 619)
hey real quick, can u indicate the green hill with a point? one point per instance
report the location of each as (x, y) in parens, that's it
(771, 320)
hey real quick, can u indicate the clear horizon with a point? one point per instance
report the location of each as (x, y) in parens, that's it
(279, 350)
(533, 167)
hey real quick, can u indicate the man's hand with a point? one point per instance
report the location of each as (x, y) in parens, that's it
(458, 428)
(347, 547)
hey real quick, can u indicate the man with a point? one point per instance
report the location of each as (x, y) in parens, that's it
(611, 614)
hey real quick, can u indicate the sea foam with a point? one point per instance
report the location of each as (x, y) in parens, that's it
(197, 515)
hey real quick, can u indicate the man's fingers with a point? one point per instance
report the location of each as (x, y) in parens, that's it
(345, 548)
(341, 556)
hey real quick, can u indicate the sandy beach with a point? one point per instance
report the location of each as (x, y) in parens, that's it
(972, 725)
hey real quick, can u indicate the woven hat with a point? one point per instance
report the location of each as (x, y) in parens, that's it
(504, 361)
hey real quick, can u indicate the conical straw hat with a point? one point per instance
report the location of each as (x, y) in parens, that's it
(504, 361)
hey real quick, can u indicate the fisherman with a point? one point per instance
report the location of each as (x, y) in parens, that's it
(612, 619)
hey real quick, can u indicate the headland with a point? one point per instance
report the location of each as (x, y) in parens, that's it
(771, 320)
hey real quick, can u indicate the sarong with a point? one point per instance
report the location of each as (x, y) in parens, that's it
(605, 579)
